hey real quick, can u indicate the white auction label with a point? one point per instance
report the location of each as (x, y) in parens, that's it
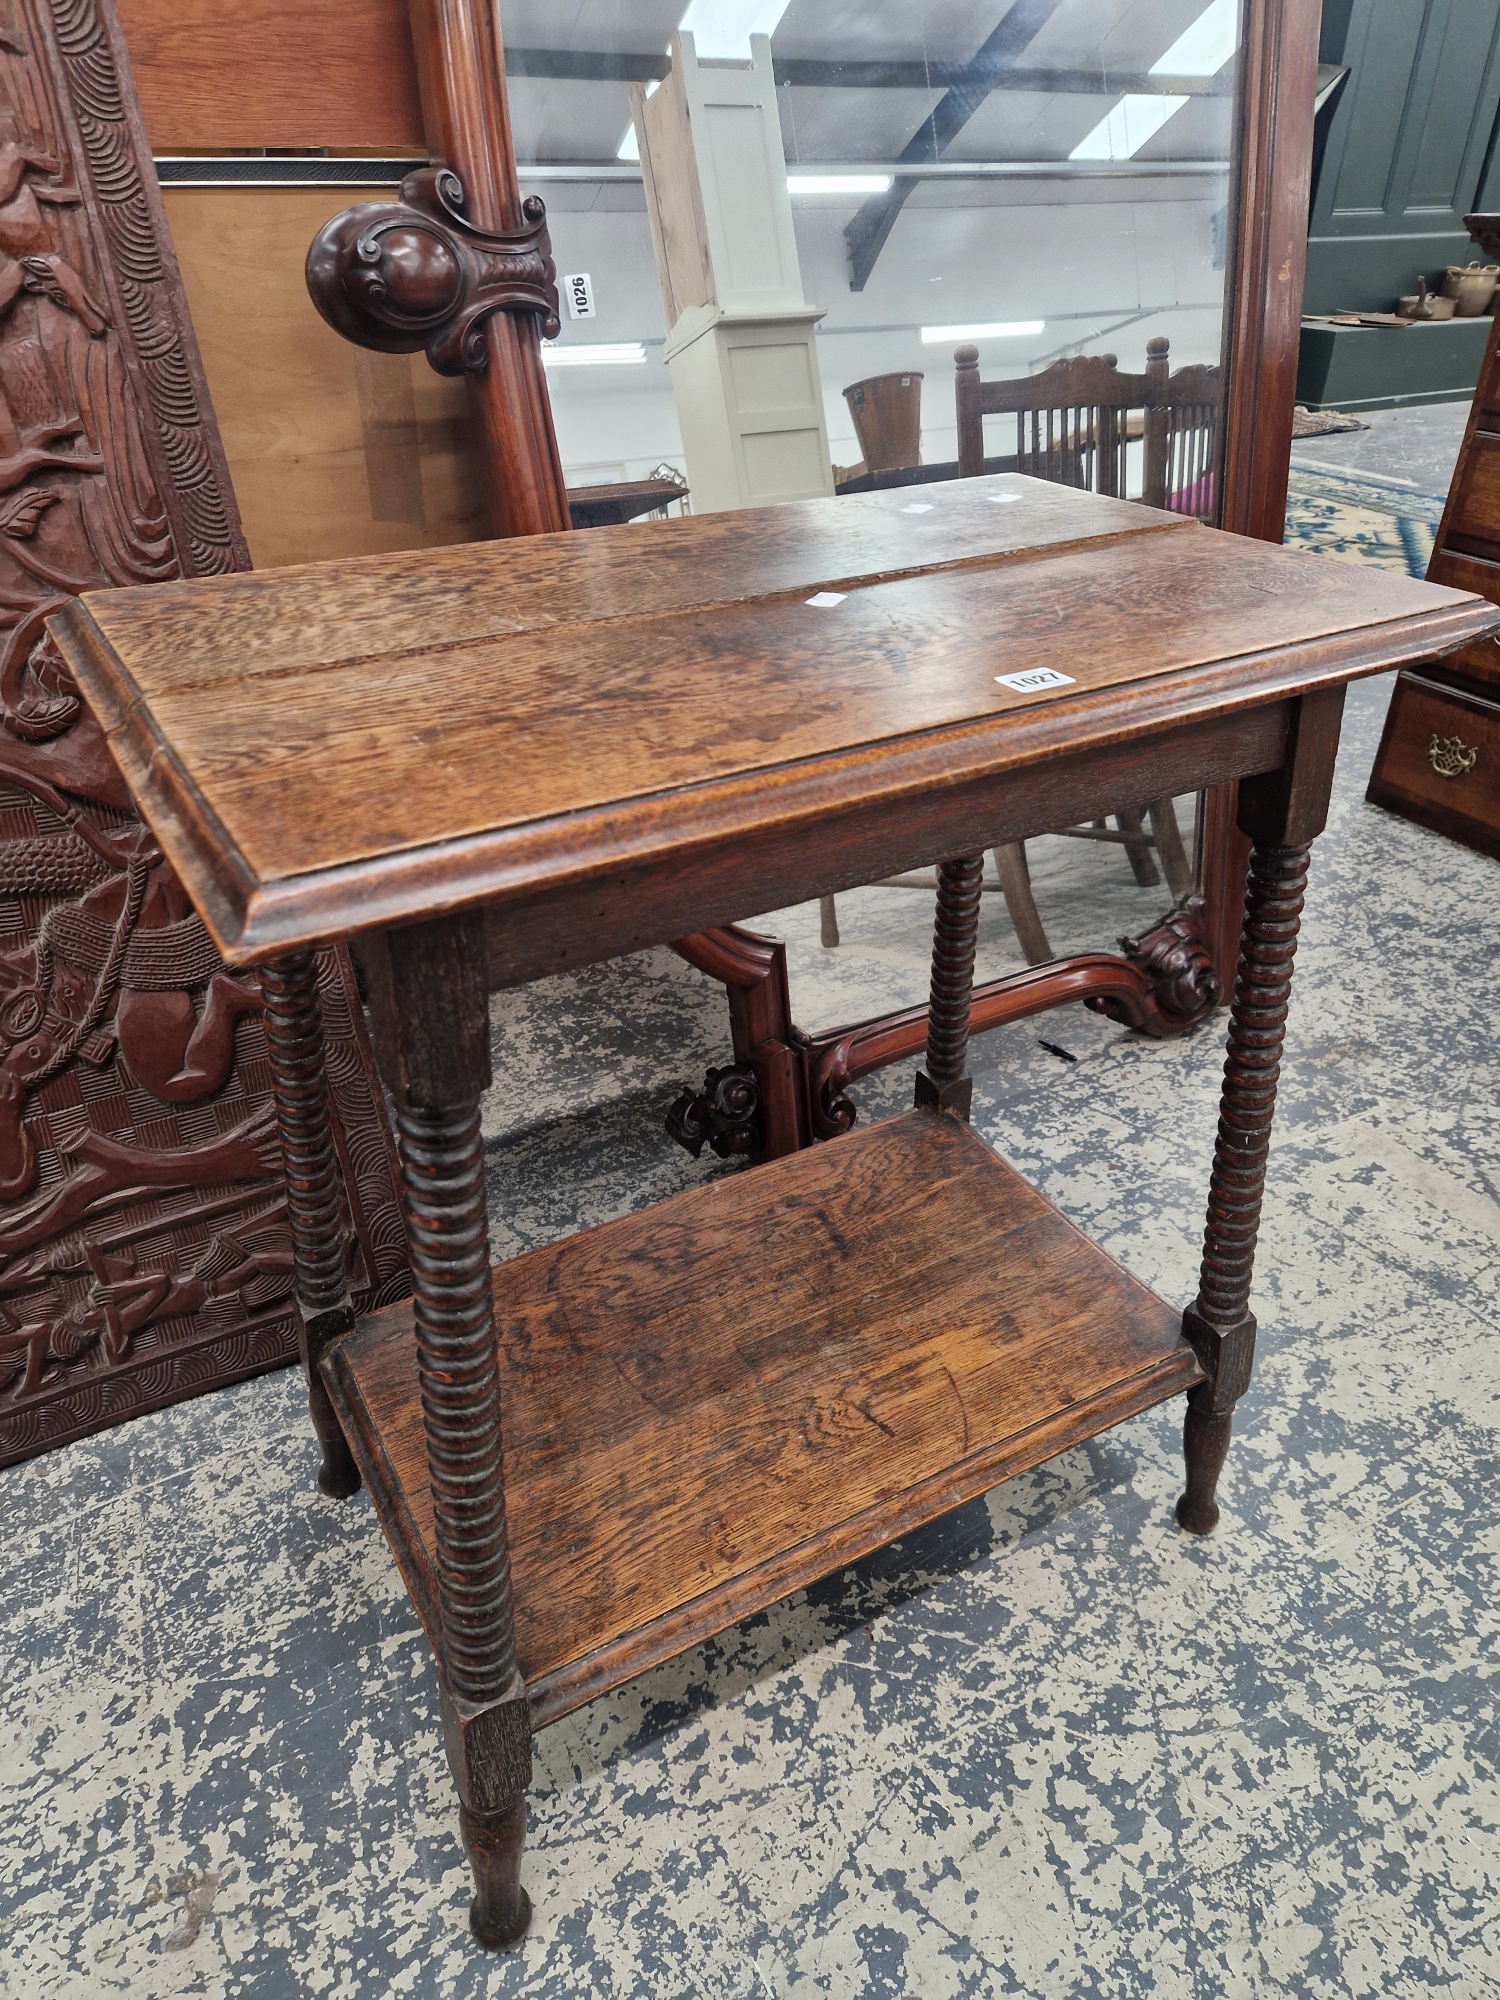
(1003, 499)
(826, 597)
(578, 290)
(1036, 677)
(917, 507)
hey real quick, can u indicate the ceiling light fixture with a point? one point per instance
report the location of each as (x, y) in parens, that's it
(996, 329)
(1203, 48)
(601, 354)
(1121, 135)
(837, 183)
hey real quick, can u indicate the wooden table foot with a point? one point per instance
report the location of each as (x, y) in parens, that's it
(500, 1913)
(1205, 1445)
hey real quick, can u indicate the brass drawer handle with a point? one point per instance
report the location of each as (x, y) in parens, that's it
(1451, 757)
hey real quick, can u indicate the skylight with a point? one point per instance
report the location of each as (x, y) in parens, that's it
(1121, 135)
(1203, 48)
(721, 31)
(600, 354)
(837, 183)
(994, 329)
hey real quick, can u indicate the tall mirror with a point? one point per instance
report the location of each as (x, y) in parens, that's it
(812, 248)
(804, 249)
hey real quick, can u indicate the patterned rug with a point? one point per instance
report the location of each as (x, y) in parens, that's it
(1362, 517)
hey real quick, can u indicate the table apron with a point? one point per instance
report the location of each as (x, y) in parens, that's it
(656, 900)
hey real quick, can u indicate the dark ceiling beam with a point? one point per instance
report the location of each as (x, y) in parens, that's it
(1003, 76)
(586, 66)
(866, 235)
(580, 66)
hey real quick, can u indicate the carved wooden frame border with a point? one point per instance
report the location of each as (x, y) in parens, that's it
(94, 327)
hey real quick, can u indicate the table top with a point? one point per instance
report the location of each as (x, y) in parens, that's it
(339, 745)
(622, 500)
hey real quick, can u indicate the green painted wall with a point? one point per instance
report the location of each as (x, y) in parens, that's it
(1410, 146)
(1380, 368)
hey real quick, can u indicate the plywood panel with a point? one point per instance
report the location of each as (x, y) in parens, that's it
(333, 451)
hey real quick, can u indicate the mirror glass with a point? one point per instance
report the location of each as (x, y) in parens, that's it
(893, 242)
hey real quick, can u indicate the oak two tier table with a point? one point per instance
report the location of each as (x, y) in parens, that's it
(592, 1457)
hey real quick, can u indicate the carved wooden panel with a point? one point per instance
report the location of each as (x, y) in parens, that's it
(144, 1252)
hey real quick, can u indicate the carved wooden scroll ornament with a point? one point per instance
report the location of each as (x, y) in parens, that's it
(417, 274)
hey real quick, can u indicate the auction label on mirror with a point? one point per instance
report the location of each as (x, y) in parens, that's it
(579, 291)
(1037, 677)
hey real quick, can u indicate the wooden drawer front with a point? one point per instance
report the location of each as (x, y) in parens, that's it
(1487, 395)
(1473, 526)
(1480, 662)
(1439, 762)
(1466, 573)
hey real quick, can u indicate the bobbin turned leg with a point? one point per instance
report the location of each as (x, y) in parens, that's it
(299, 1083)
(430, 1003)
(1281, 811)
(945, 1083)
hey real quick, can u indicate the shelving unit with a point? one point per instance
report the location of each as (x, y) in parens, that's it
(691, 1434)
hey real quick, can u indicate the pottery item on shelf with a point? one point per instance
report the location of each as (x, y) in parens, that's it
(1472, 286)
(887, 413)
(1423, 304)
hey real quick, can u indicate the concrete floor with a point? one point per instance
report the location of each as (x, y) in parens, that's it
(1048, 1746)
(1416, 447)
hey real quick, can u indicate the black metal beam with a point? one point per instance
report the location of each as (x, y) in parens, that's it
(586, 66)
(866, 235)
(820, 75)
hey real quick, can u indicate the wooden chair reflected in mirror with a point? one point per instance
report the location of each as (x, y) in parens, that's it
(1073, 420)
(1182, 440)
(1075, 425)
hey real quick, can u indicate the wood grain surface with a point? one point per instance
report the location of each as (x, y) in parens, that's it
(334, 451)
(335, 73)
(344, 612)
(349, 744)
(690, 1433)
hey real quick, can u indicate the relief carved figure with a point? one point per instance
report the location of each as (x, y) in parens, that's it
(144, 1247)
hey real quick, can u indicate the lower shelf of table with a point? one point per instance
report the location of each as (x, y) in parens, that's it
(719, 1400)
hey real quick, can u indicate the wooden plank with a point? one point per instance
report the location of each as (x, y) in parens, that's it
(342, 613)
(309, 802)
(334, 73)
(820, 844)
(1273, 173)
(691, 1432)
